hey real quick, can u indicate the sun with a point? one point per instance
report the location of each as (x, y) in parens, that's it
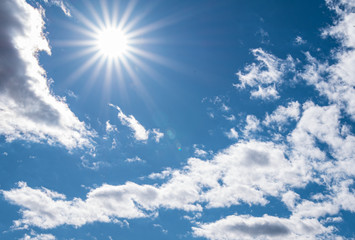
(112, 42)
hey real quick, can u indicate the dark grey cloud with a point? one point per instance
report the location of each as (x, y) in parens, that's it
(15, 82)
(260, 229)
(28, 109)
(256, 157)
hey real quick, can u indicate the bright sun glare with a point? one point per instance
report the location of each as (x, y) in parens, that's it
(112, 42)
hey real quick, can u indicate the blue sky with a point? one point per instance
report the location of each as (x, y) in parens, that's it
(177, 119)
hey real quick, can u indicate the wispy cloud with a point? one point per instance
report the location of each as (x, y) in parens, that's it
(34, 236)
(264, 76)
(135, 159)
(110, 128)
(61, 4)
(140, 133)
(299, 40)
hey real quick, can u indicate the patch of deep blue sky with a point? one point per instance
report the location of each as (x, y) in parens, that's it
(212, 43)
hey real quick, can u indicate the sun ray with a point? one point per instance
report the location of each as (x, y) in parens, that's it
(91, 61)
(105, 13)
(96, 16)
(129, 25)
(89, 24)
(127, 14)
(114, 48)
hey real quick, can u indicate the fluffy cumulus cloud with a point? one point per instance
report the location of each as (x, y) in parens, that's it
(223, 181)
(229, 182)
(48, 209)
(28, 109)
(282, 115)
(336, 81)
(232, 134)
(34, 236)
(265, 75)
(252, 125)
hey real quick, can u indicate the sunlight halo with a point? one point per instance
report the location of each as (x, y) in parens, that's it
(112, 42)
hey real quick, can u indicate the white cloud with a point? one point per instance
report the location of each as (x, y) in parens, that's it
(230, 118)
(28, 110)
(140, 133)
(161, 228)
(252, 125)
(158, 134)
(221, 182)
(322, 124)
(114, 143)
(336, 81)
(47, 209)
(246, 227)
(319, 150)
(161, 175)
(265, 39)
(71, 94)
(282, 115)
(38, 237)
(290, 198)
(264, 76)
(333, 170)
(110, 128)
(135, 159)
(61, 4)
(232, 134)
(225, 108)
(268, 92)
(199, 152)
(299, 40)
(90, 164)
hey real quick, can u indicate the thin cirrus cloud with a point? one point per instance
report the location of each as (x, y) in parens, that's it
(28, 109)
